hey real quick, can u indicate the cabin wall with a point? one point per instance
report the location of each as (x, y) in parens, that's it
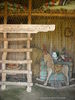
(56, 39)
(52, 40)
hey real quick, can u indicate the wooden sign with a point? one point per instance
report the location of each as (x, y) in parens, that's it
(27, 28)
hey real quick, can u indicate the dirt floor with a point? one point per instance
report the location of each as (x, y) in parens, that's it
(19, 93)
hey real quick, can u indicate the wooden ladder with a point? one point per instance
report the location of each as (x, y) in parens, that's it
(15, 28)
(5, 50)
(29, 29)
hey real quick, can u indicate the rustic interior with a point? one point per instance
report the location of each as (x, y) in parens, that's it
(62, 18)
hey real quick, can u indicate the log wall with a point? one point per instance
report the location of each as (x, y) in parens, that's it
(52, 40)
(56, 39)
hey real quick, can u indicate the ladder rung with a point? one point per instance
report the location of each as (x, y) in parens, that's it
(16, 71)
(16, 39)
(16, 62)
(16, 83)
(16, 50)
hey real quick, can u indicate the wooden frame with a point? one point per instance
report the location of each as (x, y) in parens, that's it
(29, 29)
(4, 56)
(52, 13)
(20, 29)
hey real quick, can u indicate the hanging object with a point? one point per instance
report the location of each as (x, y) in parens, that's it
(68, 32)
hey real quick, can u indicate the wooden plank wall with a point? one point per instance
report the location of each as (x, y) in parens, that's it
(51, 39)
(56, 39)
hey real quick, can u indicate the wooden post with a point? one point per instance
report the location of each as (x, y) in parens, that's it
(3, 86)
(29, 76)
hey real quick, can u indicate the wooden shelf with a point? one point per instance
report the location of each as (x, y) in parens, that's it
(44, 14)
(15, 13)
(18, 14)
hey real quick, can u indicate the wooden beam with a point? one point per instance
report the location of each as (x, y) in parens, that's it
(15, 62)
(16, 50)
(29, 77)
(42, 14)
(3, 86)
(25, 14)
(34, 28)
(29, 13)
